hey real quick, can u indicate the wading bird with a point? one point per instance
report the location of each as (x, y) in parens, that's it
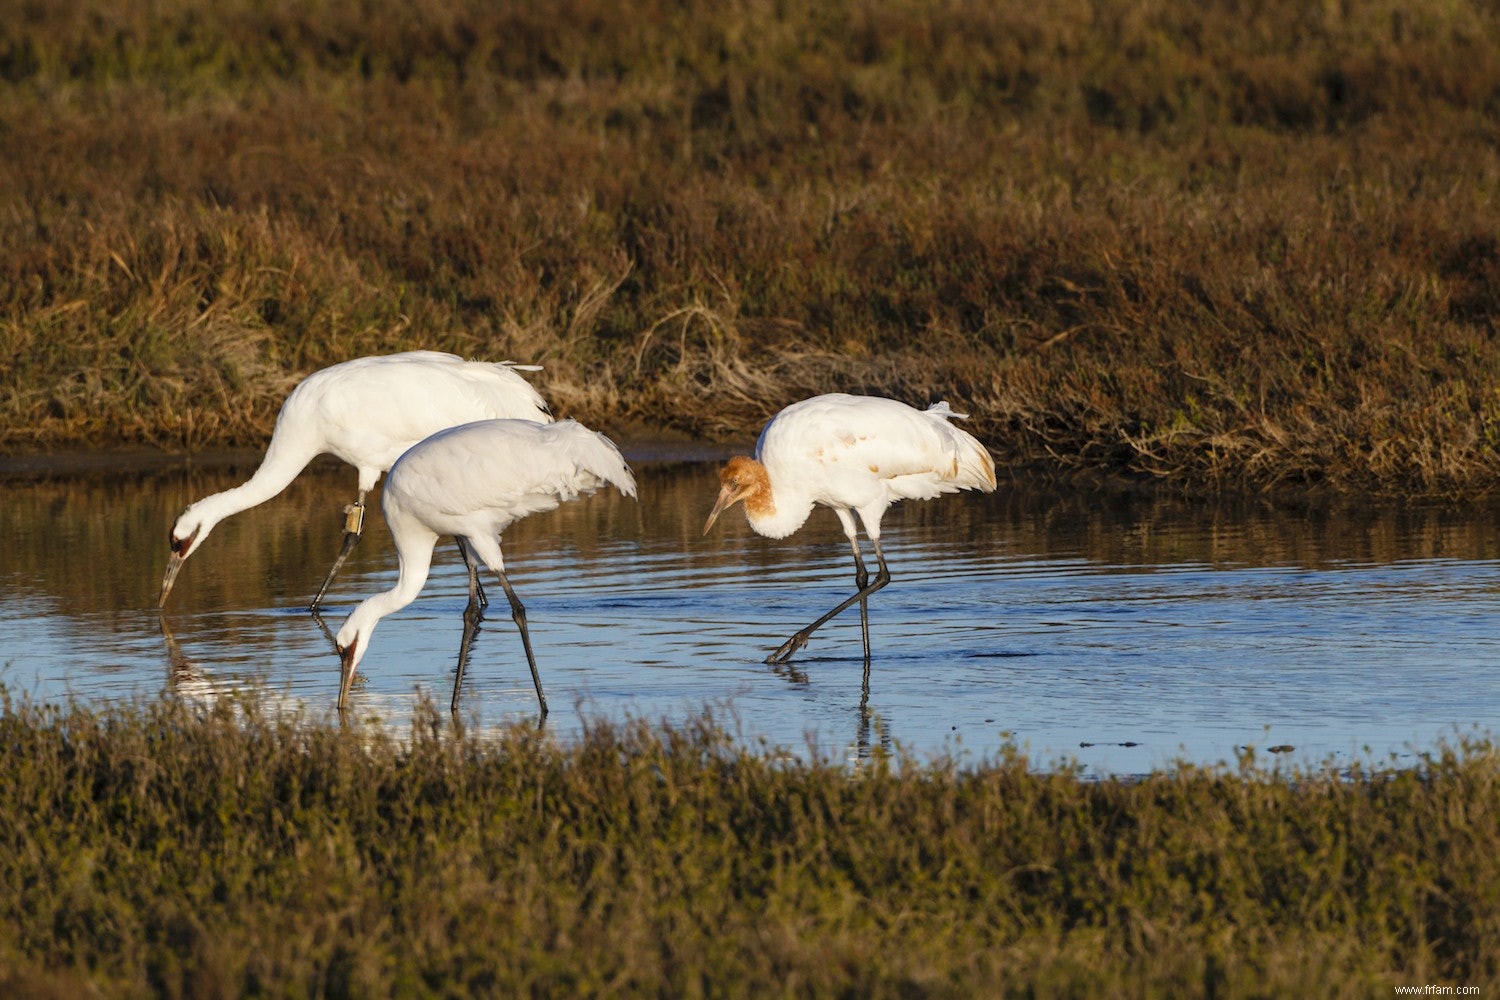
(856, 454)
(473, 482)
(366, 412)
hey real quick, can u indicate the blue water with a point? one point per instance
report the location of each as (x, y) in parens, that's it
(1123, 631)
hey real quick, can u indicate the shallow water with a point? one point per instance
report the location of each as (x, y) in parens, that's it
(1124, 631)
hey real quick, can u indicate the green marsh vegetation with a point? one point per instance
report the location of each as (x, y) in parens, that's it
(1224, 243)
(169, 850)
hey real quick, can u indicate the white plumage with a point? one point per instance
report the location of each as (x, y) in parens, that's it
(857, 455)
(367, 412)
(473, 482)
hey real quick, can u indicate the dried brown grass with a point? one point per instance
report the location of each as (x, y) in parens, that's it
(1223, 245)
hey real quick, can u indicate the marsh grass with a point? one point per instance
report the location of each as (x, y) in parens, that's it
(1222, 243)
(162, 849)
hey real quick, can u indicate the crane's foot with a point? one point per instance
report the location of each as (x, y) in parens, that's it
(786, 649)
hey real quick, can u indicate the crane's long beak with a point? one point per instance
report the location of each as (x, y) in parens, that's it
(173, 565)
(726, 500)
(181, 549)
(346, 666)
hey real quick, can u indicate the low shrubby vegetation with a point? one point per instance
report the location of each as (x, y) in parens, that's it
(1226, 244)
(166, 850)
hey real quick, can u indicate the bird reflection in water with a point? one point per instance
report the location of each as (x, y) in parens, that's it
(868, 724)
(185, 679)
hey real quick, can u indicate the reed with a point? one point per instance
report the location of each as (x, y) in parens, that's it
(1225, 244)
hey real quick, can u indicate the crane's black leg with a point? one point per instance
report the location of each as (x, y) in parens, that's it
(518, 613)
(796, 642)
(861, 581)
(477, 598)
(354, 526)
(472, 616)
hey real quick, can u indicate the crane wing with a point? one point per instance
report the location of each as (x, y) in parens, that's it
(486, 475)
(918, 453)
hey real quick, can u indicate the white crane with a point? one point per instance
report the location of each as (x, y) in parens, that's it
(473, 482)
(366, 412)
(856, 454)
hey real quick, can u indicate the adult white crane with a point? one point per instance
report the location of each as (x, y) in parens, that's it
(856, 454)
(473, 482)
(366, 412)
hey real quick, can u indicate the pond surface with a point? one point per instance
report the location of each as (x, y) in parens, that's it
(1120, 629)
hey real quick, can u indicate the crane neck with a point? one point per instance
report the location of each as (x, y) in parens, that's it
(414, 556)
(280, 466)
(777, 509)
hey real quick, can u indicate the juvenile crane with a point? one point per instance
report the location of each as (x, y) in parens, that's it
(855, 454)
(366, 412)
(473, 482)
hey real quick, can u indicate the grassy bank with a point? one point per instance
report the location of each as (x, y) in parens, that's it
(1224, 243)
(161, 850)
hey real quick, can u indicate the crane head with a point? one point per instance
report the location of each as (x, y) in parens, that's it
(185, 537)
(352, 642)
(741, 477)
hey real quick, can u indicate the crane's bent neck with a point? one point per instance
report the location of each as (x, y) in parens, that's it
(372, 609)
(414, 544)
(277, 469)
(414, 547)
(775, 510)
